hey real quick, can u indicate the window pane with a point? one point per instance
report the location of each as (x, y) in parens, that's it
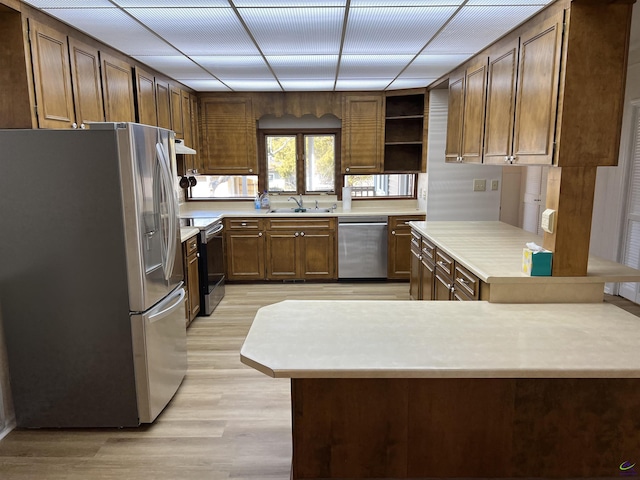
(397, 185)
(281, 163)
(319, 163)
(225, 186)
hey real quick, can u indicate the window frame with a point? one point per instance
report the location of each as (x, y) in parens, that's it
(299, 133)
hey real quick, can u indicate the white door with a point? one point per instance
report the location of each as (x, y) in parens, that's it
(631, 243)
(534, 188)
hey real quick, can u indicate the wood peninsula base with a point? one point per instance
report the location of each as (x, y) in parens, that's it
(345, 428)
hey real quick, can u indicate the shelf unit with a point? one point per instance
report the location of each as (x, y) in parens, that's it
(404, 132)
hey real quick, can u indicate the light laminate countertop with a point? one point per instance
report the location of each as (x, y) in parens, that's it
(409, 339)
(493, 251)
(187, 232)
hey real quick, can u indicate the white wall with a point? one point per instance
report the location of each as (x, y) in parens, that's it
(450, 185)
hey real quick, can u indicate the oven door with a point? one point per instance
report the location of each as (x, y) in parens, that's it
(211, 268)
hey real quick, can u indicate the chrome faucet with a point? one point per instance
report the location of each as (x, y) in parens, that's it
(296, 200)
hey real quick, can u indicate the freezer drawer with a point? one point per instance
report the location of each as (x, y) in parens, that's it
(160, 353)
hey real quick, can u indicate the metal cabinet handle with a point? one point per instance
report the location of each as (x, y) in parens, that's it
(251, 170)
(260, 234)
(296, 234)
(462, 281)
(442, 264)
(243, 224)
(302, 234)
(74, 125)
(393, 232)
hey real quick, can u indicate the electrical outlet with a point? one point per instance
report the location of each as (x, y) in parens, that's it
(495, 184)
(479, 185)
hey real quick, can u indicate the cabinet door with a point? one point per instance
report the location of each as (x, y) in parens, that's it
(453, 151)
(501, 102)
(175, 96)
(162, 101)
(362, 134)
(282, 255)
(427, 280)
(415, 286)
(85, 78)
(146, 97)
(399, 246)
(245, 255)
(537, 92)
(52, 77)
(318, 255)
(117, 89)
(475, 88)
(193, 285)
(442, 285)
(187, 125)
(228, 139)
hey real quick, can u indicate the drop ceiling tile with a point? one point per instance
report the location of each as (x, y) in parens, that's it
(115, 28)
(198, 31)
(294, 67)
(295, 31)
(433, 66)
(174, 66)
(198, 85)
(398, 30)
(363, 84)
(404, 3)
(290, 3)
(172, 3)
(258, 85)
(372, 66)
(400, 83)
(235, 67)
(307, 84)
(69, 3)
(508, 2)
(473, 28)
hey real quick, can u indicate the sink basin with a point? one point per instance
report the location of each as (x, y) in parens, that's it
(300, 210)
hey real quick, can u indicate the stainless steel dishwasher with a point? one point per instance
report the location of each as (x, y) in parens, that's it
(362, 247)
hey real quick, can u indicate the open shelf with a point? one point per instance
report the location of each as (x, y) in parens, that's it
(404, 133)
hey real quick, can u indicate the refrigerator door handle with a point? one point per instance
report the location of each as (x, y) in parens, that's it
(181, 294)
(163, 157)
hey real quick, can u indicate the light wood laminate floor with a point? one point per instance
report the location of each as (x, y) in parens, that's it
(227, 421)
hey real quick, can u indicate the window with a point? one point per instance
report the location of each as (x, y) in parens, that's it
(391, 185)
(224, 186)
(300, 162)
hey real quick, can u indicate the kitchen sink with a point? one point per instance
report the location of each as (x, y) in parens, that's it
(300, 210)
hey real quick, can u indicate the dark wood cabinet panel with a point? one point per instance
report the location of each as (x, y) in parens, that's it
(162, 102)
(117, 89)
(399, 246)
(146, 97)
(245, 255)
(362, 134)
(175, 102)
(85, 78)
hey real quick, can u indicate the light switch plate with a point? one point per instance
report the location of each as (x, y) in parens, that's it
(479, 185)
(548, 222)
(495, 184)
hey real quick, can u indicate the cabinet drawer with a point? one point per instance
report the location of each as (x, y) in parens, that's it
(252, 224)
(301, 224)
(416, 243)
(400, 222)
(467, 282)
(428, 250)
(191, 245)
(444, 262)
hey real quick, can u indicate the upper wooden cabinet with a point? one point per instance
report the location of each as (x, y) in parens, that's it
(404, 132)
(465, 123)
(229, 141)
(145, 97)
(362, 134)
(52, 76)
(555, 90)
(163, 105)
(85, 80)
(117, 89)
(187, 123)
(175, 96)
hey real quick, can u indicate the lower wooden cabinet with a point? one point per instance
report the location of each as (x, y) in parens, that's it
(435, 275)
(191, 277)
(244, 247)
(399, 246)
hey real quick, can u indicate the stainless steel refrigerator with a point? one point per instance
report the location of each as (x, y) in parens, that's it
(91, 294)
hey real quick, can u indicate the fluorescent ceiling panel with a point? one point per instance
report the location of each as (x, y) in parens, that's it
(199, 31)
(212, 85)
(290, 3)
(175, 66)
(363, 84)
(433, 66)
(473, 28)
(254, 85)
(115, 28)
(237, 68)
(508, 2)
(172, 3)
(295, 31)
(372, 66)
(295, 67)
(404, 3)
(69, 3)
(398, 30)
(307, 84)
(400, 83)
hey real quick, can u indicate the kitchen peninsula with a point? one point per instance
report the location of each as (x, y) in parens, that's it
(454, 389)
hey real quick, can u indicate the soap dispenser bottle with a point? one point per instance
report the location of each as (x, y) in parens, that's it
(264, 200)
